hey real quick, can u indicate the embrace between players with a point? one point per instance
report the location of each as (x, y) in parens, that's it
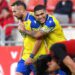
(46, 51)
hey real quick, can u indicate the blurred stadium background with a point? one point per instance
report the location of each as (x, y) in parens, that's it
(10, 49)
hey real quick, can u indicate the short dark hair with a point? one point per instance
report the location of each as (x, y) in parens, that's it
(39, 7)
(18, 3)
(41, 64)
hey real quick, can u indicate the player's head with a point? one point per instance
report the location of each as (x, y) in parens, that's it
(20, 9)
(41, 64)
(40, 13)
(45, 64)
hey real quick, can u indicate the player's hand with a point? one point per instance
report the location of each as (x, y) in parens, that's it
(29, 61)
(21, 27)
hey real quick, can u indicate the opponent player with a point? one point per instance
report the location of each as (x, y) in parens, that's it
(45, 65)
(64, 52)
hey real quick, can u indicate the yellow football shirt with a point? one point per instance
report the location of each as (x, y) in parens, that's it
(29, 42)
(54, 30)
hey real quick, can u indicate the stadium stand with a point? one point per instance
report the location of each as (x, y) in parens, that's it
(12, 1)
(33, 3)
(51, 5)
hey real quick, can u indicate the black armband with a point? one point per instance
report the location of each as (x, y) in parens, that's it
(32, 55)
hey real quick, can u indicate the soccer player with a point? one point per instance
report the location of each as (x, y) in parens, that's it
(45, 65)
(20, 10)
(63, 52)
(30, 23)
(62, 55)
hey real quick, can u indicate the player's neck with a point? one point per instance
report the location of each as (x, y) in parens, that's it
(24, 16)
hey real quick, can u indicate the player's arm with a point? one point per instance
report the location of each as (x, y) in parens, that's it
(47, 28)
(38, 41)
(35, 34)
(21, 27)
(34, 52)
(36, 47)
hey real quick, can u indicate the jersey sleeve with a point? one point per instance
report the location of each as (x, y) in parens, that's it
(34, 24)
(49, 26)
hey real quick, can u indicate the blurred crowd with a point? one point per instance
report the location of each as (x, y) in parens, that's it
(62, 9)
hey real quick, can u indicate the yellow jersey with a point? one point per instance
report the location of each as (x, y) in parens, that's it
(29, 42)
(54, 30)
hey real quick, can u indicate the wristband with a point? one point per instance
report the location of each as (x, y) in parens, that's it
(32, 55)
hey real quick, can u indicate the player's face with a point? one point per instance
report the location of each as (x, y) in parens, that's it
(19, 10)
(40, 15)
(52, 66)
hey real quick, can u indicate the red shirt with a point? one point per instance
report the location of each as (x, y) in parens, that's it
(2, 5)
(70, 47)
(8, 20)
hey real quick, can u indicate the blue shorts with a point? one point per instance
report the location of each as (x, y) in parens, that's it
(25, 69)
